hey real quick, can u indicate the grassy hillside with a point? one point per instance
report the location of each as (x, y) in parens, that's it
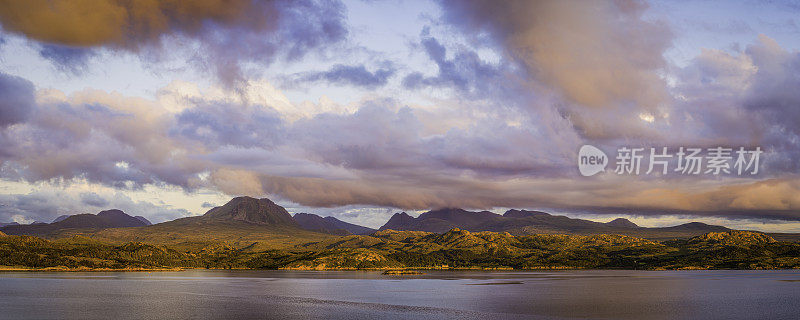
(393, 249)
(195, 234)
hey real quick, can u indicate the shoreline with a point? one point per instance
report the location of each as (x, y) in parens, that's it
(399, 271)
(64, 269)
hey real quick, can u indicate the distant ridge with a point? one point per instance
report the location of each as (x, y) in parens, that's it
(143, 219)
(697, 226)
(442, 220)
(330, 225)
(522, 222)
(514, 213)
(64, 216)
(113, 218)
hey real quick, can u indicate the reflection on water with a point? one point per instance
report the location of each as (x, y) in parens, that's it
(216, 294)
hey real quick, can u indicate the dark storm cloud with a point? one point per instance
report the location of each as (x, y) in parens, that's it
(230, 33)
(351, 75)
(17, 99)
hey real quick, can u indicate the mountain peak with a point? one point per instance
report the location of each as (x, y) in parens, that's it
(621, 223)
(514, 213)
(252, 210)
(399, 221)
(111, 213)
(113, 218)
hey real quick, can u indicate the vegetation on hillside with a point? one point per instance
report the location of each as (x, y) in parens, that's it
(415, 249)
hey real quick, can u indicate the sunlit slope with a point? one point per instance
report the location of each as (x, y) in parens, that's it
(195, 233)
(408, 249)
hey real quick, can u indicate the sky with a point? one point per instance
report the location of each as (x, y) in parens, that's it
(360, 109)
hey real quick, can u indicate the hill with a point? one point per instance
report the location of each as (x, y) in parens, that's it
(416, 249)
(104, 219)
(522, 222)
(330, 225)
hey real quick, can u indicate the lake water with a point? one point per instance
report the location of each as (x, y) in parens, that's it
(217, 294)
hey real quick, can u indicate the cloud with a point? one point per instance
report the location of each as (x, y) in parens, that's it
(73, 137)
(600, 63)
(773, 97)
(380, 152)
(237, 182)
(465, 71)
(93, 199)
(230, 33)
(127, 24)
(69, 59)
(216, 124)
(350, 75)
(46, 205)
(744, 98)
(208, 205)
(17, 99)
(599, 54)
(239, 144)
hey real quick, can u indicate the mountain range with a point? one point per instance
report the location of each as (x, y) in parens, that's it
(522, 222)
(259, 234)
(245, 221)
(104, 219)
(313, 222)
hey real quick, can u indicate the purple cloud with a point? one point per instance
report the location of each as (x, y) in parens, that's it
(17, 99)
(66, 58)
(351, 75)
